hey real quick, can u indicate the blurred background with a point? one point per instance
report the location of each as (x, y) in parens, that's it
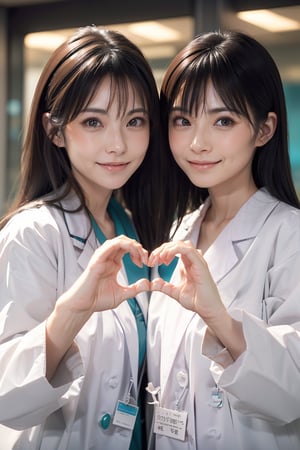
(31, 29)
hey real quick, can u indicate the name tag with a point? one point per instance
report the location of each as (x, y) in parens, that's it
(169, 422)
(125, 415)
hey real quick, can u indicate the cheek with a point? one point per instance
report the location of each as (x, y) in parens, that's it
(177, 142)
(71, 137)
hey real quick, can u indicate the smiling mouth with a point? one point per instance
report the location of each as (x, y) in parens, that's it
(203, 164)
(113, 166)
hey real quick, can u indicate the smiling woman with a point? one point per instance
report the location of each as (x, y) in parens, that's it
(219, 145)
(105, 143)
(223, 330)
(73, 288)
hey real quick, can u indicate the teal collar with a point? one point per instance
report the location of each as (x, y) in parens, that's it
(123, 225)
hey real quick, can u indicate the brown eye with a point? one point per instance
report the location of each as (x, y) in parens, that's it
(224, 122)
(93, 123)
(136, 122)
(180, 121)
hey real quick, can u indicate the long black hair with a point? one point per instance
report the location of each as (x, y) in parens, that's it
(67, 84)
(248, 81)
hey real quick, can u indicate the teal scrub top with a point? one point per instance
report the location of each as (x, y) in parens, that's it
(123, 225)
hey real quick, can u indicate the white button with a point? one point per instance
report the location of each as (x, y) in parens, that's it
(182, 378)
(113, 382)
(213, 433)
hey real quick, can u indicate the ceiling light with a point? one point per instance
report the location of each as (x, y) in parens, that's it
(269, 20)
(154, 31)
(158, 51)
(44, 40)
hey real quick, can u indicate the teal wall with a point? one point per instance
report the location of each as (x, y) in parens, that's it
(292, 93)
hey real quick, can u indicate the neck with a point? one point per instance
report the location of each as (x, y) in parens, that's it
(98, 209)
(224, 207)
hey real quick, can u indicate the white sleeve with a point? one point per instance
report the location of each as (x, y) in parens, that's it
(264, 381)
(28, 291)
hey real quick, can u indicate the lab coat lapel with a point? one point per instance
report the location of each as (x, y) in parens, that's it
(179, 317)
(127, 321)
(235, 240)
(224, 246)
(87, 251)
(80, 230)
(143, 301)
(174, 313)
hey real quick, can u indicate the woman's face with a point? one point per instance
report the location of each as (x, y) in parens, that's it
(105, 147)
(213, 146)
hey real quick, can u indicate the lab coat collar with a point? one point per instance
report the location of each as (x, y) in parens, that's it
(79, 228)
(78, 223)
(236, 237)
(83, 237)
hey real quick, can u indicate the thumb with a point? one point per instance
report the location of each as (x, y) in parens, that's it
(132, 290)
(158, 284)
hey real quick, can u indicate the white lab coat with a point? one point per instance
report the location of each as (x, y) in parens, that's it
(39, 260)
(255, 262)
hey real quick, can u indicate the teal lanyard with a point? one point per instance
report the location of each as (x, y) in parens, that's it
(166, 272)
(123, 225)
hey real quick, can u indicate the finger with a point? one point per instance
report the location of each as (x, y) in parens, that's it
(138, 254)
(116, 248)
(142, 285)
(191, 255)
(153, 259)
(158, 284)
(164, 254)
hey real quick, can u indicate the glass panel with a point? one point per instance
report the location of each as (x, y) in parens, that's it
(283, 44)
(159, 40)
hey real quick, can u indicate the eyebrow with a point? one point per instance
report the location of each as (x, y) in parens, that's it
(221, 109)
(105, 111)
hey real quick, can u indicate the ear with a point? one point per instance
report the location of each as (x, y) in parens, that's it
(266, 130)
(58, 138)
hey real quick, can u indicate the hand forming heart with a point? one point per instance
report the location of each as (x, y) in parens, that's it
(98, 289)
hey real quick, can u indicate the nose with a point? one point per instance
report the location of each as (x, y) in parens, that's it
(115, 142)
(195, 145)
(200, 140)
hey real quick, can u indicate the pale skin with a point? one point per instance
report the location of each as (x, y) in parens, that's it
(215, 148)
(105, 148)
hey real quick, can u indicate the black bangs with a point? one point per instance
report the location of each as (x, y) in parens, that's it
(124, 83)
(123, 88)
(81, 78)
(191, 84)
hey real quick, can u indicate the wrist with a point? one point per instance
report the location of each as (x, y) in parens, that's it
(229, 332)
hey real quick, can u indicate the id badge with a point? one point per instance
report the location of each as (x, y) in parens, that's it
(169, 422)
(216, 399)
(125, 415)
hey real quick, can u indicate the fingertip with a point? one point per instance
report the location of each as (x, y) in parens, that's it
(153, 260)
(143, 285)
